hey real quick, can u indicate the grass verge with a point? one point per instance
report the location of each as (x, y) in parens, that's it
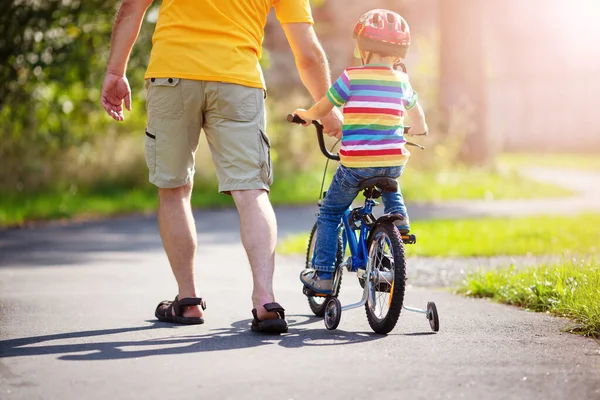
(539, 235)
(474, 184)
(85, 203)
(570, 289)
(302, 188)
(586, 162)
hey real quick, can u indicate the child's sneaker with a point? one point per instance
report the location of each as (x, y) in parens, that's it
(321, 284)
(403, 225)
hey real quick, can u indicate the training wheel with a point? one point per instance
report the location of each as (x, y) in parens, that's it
(333, 313)
(432, 316)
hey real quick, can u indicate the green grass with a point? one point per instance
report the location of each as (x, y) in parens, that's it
(540, 235)
(93, 202)
(19, 208)
(570, 289)
(473, 184)
(86, 203)
(459, 183)
(586, 162)
(104, 200)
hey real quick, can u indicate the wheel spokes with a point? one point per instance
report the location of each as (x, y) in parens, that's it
(380, 268)
(318, 300)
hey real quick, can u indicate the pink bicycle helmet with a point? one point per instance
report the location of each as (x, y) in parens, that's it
(384, 32)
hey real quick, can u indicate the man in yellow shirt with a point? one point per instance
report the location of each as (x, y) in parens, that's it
(204, 74)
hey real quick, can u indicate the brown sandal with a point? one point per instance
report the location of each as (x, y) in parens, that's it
(172, 311)
(271, 326)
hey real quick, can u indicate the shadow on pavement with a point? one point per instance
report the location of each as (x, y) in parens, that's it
(238, 336)
(420, 333)
(73, 243)
(79, 242)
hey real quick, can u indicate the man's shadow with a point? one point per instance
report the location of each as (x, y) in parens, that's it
(237, 336)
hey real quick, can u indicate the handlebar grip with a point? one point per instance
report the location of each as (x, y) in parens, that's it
(293, 118)
(406, 132)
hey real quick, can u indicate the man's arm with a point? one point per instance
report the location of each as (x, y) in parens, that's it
(125, 32)
(115, 88)
(310, 58)
(313, 69)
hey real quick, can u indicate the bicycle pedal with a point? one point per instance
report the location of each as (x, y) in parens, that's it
(311, 293)
(409, 239)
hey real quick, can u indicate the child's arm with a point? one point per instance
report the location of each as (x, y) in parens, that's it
(418, 125)
(318, 111)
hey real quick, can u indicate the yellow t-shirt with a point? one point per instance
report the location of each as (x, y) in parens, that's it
(217, 40)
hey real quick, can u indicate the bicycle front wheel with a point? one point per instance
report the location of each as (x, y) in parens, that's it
(386, 277)
(317, 303)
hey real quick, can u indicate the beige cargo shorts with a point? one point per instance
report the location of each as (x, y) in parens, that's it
(232, 117)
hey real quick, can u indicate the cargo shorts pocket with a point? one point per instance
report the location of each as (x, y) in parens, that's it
(266, 171)
(151, 152)
(164, 98)
(238, 103)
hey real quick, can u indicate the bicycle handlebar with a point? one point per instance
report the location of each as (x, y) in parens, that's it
(293, 118)
(297, 120)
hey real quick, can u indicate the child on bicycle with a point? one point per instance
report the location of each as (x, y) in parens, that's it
(375, 97)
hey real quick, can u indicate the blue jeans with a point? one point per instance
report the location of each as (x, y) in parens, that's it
(341, 193)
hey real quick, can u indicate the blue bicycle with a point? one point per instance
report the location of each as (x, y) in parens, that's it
(376, 255)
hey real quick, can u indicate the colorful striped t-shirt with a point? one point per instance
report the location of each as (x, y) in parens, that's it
(375, 98)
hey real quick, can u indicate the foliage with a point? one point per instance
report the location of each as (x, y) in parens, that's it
(55, 54)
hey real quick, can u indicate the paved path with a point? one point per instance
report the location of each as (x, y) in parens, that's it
(76, 321)
(76, 305)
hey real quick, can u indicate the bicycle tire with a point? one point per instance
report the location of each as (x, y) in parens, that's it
(318, 304)
(389, 233)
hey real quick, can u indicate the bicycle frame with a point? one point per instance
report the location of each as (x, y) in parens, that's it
(357, 244)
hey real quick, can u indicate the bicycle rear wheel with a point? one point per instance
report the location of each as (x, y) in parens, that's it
(317, 303)
(387, 277)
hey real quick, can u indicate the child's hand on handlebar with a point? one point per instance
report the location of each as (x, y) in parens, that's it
(305, 115)
(332, 123)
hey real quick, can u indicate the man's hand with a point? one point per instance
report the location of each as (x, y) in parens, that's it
(332, 123)
(304, 115)
(115, 90)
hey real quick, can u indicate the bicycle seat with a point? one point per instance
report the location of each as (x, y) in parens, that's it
(384, 183)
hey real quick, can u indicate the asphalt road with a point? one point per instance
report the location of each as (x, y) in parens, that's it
(76, 321)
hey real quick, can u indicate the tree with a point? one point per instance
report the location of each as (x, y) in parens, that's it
(462, 74)
(54, 55)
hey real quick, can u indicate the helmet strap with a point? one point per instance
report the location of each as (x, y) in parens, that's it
(368, 58)
(399, 65)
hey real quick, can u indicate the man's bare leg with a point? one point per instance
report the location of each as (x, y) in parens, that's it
(258, 228)
(178, 232)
